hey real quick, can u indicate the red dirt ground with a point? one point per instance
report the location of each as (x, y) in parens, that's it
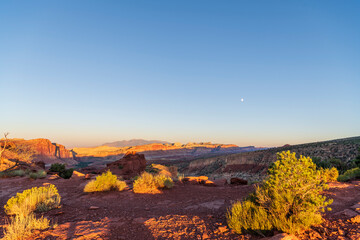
(184, 212)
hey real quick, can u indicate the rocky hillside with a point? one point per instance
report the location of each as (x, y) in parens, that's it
(253, 165)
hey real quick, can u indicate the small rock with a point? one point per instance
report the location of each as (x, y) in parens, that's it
(45, 184)
(93, 208)
(209, 183)
(222, 229)
(205, 236)
(355, 219)
(54, 177)
(348, 213)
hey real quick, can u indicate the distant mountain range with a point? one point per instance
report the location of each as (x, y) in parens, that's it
(132, 142)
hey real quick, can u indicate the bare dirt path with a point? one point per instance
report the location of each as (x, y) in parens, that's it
(184, 212)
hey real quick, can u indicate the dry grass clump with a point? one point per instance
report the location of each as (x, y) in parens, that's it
(105, 182)
(21, 226)
(39, 199)
(170, 171)
(38, 174)
(149, 183)
(23, 205)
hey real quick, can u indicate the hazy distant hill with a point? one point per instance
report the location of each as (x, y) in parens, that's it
(132, 142)
(253, 165)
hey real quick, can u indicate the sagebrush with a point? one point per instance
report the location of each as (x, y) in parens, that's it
(152, 183)
(105, 182)
(21, 226)
(289, 198)
(39, 199)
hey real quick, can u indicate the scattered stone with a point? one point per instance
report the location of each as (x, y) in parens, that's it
(195, 180)
(209, 183)
(223, 229)
(45, 184)
(77, 175)
(93, 208)
(284, 236)
(355, 219)
(53, 177)
(238, 181)
(88, 176)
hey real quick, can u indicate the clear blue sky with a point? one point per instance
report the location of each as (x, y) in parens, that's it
(82, 73)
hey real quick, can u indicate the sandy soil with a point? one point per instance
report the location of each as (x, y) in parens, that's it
(184, 212)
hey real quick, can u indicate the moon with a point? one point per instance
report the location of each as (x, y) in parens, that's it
(242, 99)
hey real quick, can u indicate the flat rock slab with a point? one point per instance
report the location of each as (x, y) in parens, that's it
(348, 213)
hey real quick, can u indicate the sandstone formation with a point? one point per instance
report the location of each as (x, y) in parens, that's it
(43, 150)
(131, 165)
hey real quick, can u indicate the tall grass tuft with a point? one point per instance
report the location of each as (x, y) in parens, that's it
(150, 183)
(39, 199)
(21, 226)
(105, 182)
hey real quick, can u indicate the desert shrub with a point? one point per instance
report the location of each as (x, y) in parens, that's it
(67, 173)
(57, 167)
(21, 226)
(35, 199)
(150, 183)
(341, 166)
(290, 195)
(247, 216)
(329, 175)
(13, 173)
(38, 174)
(61, 169)
(350, 174)
(170, 171)
(105, 182)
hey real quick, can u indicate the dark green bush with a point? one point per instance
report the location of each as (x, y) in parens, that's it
(350, 174)
(67, 173)
(57, 167)
(63, 172)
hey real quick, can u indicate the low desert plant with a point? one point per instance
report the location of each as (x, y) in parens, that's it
(61, 169)
(105, 182)
(21, 226)
(329, 174)
(57, 167)
(13, 173)
(290, 196)
(67, 173)
(170, 171)
(150, 183)
(248, 217)
(350, 174)
(38, 174)
(39, 199)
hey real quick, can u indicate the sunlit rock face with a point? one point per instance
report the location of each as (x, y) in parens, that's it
(131, 165)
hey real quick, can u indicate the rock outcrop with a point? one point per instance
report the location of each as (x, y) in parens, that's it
(42, 150)
(131, 165)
